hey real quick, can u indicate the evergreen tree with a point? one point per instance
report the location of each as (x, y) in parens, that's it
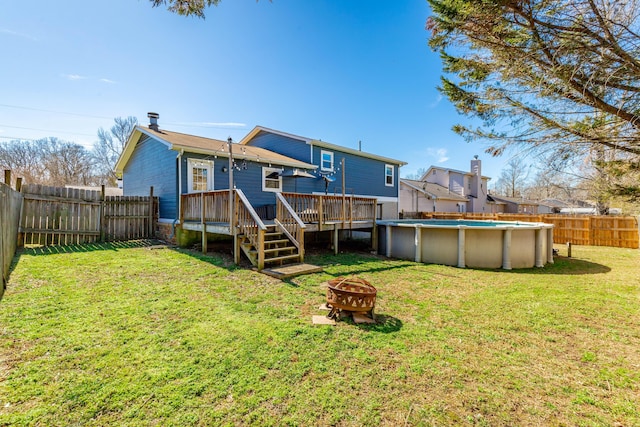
(550, 75)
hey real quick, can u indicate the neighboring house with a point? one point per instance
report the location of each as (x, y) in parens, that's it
(419, 196)
(365, 174)
(552, 206)
(447, 190)
(518, 205)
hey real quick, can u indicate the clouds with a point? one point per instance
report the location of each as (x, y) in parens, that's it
(76, 77)
(17, 34)
(440, 154)
(435, 103)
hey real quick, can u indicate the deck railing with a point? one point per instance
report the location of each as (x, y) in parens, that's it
(249, 223)
(290, 223)
(320, 209)
(209, 206)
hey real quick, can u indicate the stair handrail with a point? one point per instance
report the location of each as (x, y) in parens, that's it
(247, 221)
(290, 211)
(286, 217)
(250, 209)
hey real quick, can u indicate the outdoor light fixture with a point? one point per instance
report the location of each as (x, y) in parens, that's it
(224, 169)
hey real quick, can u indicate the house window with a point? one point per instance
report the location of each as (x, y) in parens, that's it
(326, 160)
(388, 175)
(271, 180)
(200, 175)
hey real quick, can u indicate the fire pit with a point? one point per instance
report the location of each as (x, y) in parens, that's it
(356, 295)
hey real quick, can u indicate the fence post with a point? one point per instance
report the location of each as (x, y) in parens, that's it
(7, 177)
(18, 184)
(151, 212)
(102, 225)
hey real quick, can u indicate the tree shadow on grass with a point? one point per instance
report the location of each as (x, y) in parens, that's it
(563, 266)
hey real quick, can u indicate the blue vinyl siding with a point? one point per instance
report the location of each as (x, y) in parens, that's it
(249, 180)
(153, 164)
(290, 147)
(363, 176)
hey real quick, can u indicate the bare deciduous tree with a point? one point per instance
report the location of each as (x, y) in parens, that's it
(109, 147)
(513, 179)
(48, 161)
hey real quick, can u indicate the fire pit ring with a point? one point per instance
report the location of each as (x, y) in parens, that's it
(350, 294)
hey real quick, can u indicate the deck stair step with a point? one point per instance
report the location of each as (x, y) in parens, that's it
(282, 258)
(283, 249)
(277, 242)
(278, 249)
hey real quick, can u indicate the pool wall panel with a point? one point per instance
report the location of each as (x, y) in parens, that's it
(440, 246)
(403, 243)
(523, 252)
(483, 248)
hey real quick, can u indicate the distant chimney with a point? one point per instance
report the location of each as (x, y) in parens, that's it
(153, 121)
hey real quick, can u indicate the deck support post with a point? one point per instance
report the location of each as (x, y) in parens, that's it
(260, 249)
(203, 222)
(506, 249)
(461, 246)
(234, 230)
(374, 237)
(336, 231)
(320, 201)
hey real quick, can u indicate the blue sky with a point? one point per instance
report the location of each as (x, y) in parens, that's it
(342, 71)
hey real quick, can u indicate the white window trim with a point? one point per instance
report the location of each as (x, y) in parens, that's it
(393, 173)
(191, 163)
(322, 168)
(266, 171)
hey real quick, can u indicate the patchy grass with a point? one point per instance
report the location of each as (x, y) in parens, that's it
(124, 335)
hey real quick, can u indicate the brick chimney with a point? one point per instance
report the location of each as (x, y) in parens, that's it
(153, 121)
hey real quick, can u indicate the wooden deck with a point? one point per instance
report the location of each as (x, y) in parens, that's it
(296, 214)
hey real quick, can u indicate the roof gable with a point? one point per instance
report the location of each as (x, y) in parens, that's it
(434, 191)
(201, 145)
(256, 130)
(514, 200)
(431, 168)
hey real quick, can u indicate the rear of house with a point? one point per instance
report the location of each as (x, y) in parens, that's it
(338, 169)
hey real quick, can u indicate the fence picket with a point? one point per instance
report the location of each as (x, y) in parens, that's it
(62, 216)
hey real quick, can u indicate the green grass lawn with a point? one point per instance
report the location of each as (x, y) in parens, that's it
(125, 335)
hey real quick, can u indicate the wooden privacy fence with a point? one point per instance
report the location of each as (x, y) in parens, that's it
(65, 216)
(10, 202)
(592, 230)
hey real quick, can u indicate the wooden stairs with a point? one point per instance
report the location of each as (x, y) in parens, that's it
(278, 248)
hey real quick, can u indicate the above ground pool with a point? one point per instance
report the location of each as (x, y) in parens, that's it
(468, 243)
